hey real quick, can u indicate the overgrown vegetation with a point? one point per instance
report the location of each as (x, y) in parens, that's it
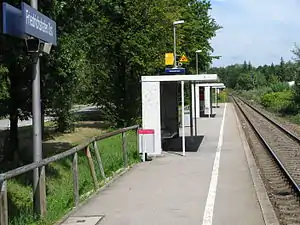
(281, 102)
(267, 85)
(223, 96)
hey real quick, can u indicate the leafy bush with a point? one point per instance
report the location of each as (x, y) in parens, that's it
(281, 102)
(279, 87)
(255, 94)
(223, 96)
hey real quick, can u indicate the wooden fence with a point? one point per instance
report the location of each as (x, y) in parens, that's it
(40, 193)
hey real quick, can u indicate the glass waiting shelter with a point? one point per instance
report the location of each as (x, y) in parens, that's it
(165, 107)
(205, 95)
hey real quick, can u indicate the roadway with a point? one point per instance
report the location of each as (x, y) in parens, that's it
(4, 123)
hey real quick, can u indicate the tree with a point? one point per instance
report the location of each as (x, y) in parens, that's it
(260, 79)
(104, 47)
(67, 71)
(245, 66)
(245, 82)
(249, 66)
(296, 58)
(281, 70)
(4, 87)
(16, 81)
(297, 90)
(141, 32)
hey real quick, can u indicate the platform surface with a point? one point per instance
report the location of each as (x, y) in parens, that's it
(191, 190)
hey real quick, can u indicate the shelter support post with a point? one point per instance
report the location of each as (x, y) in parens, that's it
(216, 97)
(191, 109)
(195, 108)
(182, 116)
(210, 102)
(218, 91)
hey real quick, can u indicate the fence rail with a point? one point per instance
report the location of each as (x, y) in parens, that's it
(40, 195)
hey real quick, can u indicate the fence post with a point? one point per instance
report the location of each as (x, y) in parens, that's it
(92, 167)
(3, 203)
(124, 148)
(39, 192)
(99, 160)
(75, 179)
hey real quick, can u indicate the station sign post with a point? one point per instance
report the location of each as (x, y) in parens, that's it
(146, 142)
(38, 25)
(175, 70)
(11, 18)
(39, 33)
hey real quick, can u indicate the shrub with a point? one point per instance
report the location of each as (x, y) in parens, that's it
(279, 87)
(281, 102)
(256, 94)
(223, 96)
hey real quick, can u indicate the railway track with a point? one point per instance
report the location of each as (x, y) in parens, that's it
(277, 153)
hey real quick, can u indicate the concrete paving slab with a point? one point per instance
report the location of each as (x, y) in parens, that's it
(174, 189)
(83, 220)
(163, 191)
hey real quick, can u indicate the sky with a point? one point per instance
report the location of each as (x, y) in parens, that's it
(259, 31)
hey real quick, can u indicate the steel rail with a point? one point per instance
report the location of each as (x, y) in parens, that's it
(289, 133)
(271, 151)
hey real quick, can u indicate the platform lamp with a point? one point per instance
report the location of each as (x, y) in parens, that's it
(198, 51)
(174, 29)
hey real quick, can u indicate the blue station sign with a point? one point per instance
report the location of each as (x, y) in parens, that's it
(175, 70)
(38, 25)
(11, 19)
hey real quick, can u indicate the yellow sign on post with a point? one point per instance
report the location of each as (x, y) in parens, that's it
(183, 59)
(169, 59)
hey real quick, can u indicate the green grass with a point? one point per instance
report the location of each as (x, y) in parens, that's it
(59, 181)
(294, 119)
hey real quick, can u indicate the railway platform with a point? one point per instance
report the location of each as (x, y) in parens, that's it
(217, 185)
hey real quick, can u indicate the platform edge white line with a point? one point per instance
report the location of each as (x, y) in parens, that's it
(266, 206)
(210, 202)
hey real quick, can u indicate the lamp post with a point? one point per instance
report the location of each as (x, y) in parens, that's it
(174, 29)
(193, 113)
(198, 51)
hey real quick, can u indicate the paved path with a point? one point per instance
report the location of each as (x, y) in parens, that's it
(199, 188)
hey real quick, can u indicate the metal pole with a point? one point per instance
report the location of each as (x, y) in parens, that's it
(197, 63)
(195, 108)
(218, 91)
(39, 190)
(216, 97)
(210, 102)
(34, 4)
(174, 46)
(191, 109)
(182, 116)
(193, 105)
